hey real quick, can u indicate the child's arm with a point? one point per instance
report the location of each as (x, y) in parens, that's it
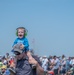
(31, 59)
(29, 55)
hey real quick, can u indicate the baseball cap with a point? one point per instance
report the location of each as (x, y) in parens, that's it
(17, 50)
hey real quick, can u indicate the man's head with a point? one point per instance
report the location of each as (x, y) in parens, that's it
(54, 57)
(21, 32)
(18, 52)
(3, 69)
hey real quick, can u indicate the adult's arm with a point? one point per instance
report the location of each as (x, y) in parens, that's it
(39, 69)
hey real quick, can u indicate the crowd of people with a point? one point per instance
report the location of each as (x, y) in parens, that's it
(6, 62)
(61, 65)
(52, 65)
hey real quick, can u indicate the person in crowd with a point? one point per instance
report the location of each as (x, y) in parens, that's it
(1, 64)
(45, 63)
(56, 64)
(63, 65)
(3, 69)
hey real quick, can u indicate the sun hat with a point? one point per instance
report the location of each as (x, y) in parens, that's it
(4, 67)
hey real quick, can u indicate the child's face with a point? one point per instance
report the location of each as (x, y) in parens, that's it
(21, 33)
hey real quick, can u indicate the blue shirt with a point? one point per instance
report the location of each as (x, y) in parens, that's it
(23, 41)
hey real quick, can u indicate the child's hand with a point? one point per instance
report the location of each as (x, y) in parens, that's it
(21, 46)
(33, 61)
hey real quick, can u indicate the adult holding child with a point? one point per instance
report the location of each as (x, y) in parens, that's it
(23, 56)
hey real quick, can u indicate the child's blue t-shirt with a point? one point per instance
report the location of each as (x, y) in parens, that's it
(23, 41)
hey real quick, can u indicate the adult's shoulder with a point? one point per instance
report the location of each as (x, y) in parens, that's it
(37, 59)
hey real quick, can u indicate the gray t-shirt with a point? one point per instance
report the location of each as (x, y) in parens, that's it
(23, 67)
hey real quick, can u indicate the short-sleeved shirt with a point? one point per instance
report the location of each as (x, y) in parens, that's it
(23, 41)
(23, 67)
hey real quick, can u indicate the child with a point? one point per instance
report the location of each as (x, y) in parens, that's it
(24, 45)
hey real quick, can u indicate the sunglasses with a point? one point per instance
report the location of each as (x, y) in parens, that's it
(17, 53)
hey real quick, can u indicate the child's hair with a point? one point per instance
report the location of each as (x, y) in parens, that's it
(25, 31)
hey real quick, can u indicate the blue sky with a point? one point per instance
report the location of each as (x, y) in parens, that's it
(50, 24)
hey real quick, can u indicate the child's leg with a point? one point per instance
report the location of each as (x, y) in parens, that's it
(31, 59)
